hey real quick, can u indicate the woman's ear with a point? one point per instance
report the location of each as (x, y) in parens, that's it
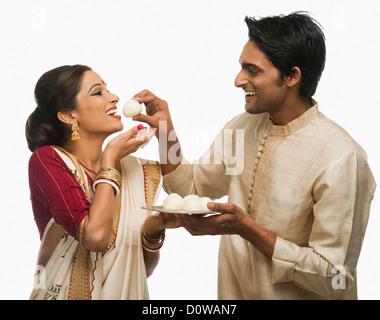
(294, 77)
(66, 117)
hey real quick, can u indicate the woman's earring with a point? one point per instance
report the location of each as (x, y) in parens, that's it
(75, 131)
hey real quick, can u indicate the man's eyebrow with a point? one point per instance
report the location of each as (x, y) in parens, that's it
(245, 65)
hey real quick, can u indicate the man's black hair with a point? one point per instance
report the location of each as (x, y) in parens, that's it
(288, 41)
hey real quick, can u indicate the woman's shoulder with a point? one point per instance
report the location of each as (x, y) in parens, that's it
(43, 151)
(44, 155)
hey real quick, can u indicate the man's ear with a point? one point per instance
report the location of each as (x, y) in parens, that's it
(66, 117)
(294, 77)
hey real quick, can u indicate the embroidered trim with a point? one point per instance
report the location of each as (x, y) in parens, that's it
(152, 177)
(53, 292)
(52, 238)
(116, 210)
(80, 272)
(270, 147)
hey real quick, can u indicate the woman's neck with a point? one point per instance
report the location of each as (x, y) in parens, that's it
(88, 152)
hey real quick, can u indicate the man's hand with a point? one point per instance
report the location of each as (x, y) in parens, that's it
(156, 110)
(158, 116)
(231, 220)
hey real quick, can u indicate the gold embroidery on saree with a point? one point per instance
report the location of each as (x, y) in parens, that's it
(52, 238)
(152, 176)
(116, 217)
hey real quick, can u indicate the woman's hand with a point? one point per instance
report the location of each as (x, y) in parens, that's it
(123, 145)
(157, 222)
(153, 226)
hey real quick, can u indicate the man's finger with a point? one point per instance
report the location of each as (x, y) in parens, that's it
(153, 122)
(221, 207)
(148, 98)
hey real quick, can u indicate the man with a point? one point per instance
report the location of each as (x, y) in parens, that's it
(298, 209)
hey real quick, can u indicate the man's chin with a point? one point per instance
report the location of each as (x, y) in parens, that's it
(249, 108)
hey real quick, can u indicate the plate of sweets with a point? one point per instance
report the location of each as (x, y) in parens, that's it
(190, 204)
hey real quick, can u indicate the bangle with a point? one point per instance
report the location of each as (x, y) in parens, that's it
(110, 176)
(110, 182)
(151, 244)
(151, 250)
(109, 173)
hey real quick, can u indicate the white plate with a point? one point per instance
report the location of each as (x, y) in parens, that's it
(161, 209)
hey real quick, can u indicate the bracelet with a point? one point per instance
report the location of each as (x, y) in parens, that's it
(151, 250)
(110, 176)
(109, 173)
(151, 244)
(110, 182)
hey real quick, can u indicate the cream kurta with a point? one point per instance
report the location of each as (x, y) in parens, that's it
(313, 188)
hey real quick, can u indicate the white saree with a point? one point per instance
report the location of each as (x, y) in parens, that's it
(66, 270)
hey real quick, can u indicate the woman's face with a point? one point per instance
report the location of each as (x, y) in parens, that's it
(96, 107)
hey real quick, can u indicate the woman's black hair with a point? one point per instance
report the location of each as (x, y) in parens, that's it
(55, 91)
(288, 41)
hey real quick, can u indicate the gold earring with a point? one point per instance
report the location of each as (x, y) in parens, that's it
(75, 131)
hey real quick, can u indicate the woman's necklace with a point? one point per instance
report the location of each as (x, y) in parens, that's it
(88, 169)
(259, 153)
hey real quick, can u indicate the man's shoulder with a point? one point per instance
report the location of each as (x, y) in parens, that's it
(336, 137)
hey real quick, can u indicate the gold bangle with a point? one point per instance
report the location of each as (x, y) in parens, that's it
(109, 169)
(109, 173)
(113, 178)
(150, 243)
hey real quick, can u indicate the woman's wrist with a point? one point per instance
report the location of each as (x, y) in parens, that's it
(153, 227)
(108, 159)
(152, 241)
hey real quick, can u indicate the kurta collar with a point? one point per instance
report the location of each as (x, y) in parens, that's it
(294, 125)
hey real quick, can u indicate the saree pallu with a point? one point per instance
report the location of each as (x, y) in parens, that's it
(66, 270)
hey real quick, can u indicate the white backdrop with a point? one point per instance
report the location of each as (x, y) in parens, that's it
(187, 53)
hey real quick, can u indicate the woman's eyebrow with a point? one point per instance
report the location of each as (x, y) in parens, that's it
(95, 85)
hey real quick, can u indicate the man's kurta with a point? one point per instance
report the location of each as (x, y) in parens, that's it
(311, 186)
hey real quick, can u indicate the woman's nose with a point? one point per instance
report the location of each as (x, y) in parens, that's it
(114, 98)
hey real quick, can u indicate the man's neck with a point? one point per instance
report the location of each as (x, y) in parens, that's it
(291, 111)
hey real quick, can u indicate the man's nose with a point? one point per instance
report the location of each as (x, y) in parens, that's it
(240, 80)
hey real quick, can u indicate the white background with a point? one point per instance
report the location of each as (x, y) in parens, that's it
(187, 53)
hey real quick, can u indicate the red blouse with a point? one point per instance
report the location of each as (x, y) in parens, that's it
(55, 193)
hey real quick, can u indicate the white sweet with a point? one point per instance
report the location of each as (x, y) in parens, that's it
(204, 201)
(132, 108)
(173, 202)
(192, 203)
(189, 196)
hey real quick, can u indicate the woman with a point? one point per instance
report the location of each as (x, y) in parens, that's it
(97, 242)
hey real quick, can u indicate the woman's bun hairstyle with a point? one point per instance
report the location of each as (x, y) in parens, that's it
(55, 91)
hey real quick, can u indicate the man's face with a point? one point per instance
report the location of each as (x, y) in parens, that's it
(264, 89)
